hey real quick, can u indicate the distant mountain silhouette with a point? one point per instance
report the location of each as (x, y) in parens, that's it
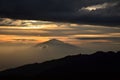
(70, 65)
(54, 42)
(56, 48)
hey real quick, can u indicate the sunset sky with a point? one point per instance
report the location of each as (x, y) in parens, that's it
(92, 25)
(85, 23)
(34, 31)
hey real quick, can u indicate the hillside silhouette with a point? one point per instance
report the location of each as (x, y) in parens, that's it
(70, 65)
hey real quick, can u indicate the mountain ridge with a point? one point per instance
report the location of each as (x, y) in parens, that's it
(69, 65)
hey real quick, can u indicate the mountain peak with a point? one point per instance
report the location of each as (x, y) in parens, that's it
(54, 41)
(51, 42)
(57, 48)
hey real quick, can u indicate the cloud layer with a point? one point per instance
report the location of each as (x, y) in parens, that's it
(72, 32)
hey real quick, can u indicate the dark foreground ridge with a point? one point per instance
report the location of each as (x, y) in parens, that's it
(70, 65)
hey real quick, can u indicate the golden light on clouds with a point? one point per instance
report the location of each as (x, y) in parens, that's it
(99, 6)
(91, 35)
(34, 31)
(14, 39)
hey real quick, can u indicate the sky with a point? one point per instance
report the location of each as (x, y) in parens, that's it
(92, 25)
(79, 22)
(31, 32)
(18, 38)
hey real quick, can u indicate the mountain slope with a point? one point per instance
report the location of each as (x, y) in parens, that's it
(49, 50)
(70, 65)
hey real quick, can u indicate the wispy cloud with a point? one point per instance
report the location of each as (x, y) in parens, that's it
(18, 22)
(8, 21)
(99, 6)
(101, 38)
(25, 40)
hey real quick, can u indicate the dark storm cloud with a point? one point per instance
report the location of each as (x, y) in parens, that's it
(61, 10)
